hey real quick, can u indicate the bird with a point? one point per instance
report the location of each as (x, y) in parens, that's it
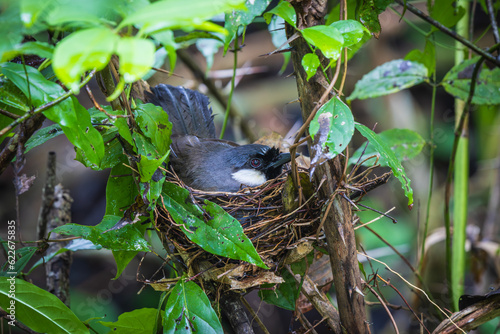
(201, 160)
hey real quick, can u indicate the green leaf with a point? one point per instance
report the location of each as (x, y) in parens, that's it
(38, 309)
(221, 235)
(127, 238)
(310, 63)
(149, 157)
(428, 57)
(393, 162)
(74, 245)
(43, 135)
(446, 12)
(120, 190)
(137, 56)
(122, 259)
(137, 321)
(242, 18)
(69, 114)
(389, 78)
(154, 124)
(457, 83)
(326, 38)
(284, 10)
(188, 310)
(82, 51)
(406, 144)
(208, 48)
(167, 40)
(332, 129)
(11, 27)
(181, 14)
(369, 12)
(40, 49)
(23, 255)
(284, 295)
(351, 30)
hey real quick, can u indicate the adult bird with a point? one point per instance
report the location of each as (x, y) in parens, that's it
(200, 159)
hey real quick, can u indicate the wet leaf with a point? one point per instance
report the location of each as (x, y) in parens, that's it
(351, 30)
(137, 56)
(310, 63)
(137, 321)
(284, 10)
(326, 38)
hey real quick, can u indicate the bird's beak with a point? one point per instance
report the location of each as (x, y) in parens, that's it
(284, 158)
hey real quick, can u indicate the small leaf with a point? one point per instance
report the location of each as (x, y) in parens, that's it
(149, 157)
(284, 295)
(446, 12)
(122, 259)
(127, 238)
(74, 245)
(369, 12)
(188, 310)
(332, 129)
(428, 57)
(284, 10)
(487, 91)
(137, 56)
(82, 51)
(38, 309)
(310, 63)
(23, 256)
(326, 38)
(220, 235)
(154, 124)
(242, 18)
(406, 144)
(166, 38)
(393, 162)
(389, 78)
(351, 30)
(137, 321)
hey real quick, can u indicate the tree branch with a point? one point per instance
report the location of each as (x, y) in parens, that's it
(449, 32)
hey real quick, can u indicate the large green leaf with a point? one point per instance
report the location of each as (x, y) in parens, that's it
(389, 156)
(137, 56)
(332, 129)
(41, 49)
(446, 12)
(221, 235)
(82, 51)
(38, 309)
(188, 310)
(69, 114)
(406, 144)
(173, 14)
(487, 91)
(127, 238)
(11, 27)
(137, 321)
(326, 38)
(389, 78)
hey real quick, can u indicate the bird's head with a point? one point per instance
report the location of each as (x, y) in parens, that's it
(255, 164)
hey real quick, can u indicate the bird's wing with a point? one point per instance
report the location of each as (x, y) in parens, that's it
(188, 110)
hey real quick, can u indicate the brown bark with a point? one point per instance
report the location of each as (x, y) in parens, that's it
(338, 224)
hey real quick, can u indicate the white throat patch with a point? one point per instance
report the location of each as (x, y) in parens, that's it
(249, 177)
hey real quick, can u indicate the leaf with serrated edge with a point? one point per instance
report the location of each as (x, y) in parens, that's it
(393, 162)
(222, 235)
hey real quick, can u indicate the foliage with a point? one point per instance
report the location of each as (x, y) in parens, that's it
(75, 41)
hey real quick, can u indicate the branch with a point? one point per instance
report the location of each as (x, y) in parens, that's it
(449, 32)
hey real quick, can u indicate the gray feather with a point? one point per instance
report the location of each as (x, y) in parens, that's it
(188, 110)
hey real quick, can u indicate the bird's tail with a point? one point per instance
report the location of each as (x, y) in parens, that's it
(188, 110)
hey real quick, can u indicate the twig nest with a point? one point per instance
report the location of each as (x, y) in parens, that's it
(275, 230)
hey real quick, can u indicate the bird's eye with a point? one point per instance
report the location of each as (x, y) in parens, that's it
(256, 163)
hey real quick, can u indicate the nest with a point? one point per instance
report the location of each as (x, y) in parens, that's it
(281, 233)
